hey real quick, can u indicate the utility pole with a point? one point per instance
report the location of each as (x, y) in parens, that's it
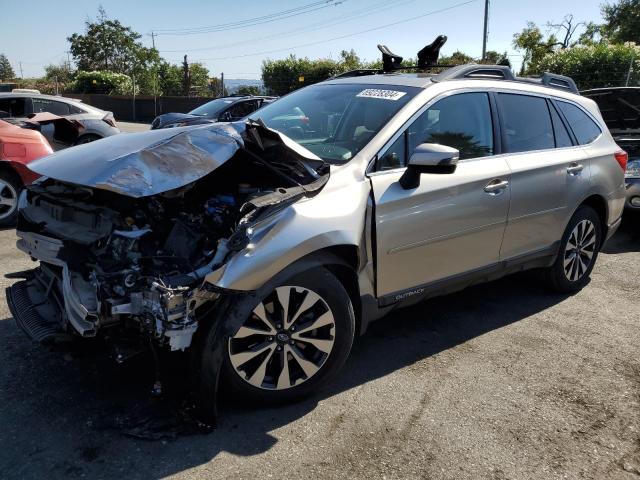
(633, 57)
(155, 80)
(21, 76)
(68, 61)
(486, 29)
(222, 84)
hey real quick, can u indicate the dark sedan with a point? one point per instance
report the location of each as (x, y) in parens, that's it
(224, 109)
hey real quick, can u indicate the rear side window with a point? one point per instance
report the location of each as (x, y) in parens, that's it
(563, 139)
(51, 106)
(585, 129)
(15, 107)
(526, 123)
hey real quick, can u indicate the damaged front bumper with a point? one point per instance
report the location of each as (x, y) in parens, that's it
(54, 302)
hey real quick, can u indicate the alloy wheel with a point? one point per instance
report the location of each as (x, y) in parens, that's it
(579, 250)
(8, 199)
(285, 341)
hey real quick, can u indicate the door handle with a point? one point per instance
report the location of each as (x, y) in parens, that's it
(496, 186)
(574, 168)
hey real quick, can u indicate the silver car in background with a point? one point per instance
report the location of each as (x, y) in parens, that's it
(96, 123)
(265, 252)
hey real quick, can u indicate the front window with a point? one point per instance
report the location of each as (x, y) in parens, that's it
(335, 121)
(213, 108)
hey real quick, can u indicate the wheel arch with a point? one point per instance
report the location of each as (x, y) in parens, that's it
(599, 204)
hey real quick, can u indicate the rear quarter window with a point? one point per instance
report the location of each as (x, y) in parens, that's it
(584, 128)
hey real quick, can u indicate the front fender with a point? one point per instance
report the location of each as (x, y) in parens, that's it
(333, 217)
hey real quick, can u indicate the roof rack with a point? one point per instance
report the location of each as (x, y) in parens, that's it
(500, 72)
(428, 60)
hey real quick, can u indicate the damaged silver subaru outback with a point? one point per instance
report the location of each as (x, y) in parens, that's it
(265, 246)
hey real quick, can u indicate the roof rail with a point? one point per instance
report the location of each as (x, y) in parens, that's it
(501, 72)
(490, 72)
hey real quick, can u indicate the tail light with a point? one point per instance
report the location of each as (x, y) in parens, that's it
(622, 157)
(109, 120)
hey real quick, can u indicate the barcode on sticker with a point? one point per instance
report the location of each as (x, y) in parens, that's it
(383, 94)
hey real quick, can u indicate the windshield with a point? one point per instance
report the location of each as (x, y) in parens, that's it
(335, 121)
(213, 108)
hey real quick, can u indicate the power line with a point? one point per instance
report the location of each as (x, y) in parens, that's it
(328, 23)
(413, 18)
(250, 22)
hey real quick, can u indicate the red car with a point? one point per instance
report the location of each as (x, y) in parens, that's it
(18, 147)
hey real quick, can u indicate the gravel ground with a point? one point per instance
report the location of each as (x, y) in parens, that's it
(500, 381)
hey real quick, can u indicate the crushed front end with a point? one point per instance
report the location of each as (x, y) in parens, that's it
(123, 252)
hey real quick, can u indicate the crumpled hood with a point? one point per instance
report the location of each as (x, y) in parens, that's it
(145, 163)
(157, 161)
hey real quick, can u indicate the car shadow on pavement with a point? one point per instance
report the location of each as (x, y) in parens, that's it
(65, 416)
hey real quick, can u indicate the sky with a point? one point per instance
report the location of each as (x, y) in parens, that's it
(34, 32)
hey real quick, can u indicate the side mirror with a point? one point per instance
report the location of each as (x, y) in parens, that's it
(429, 158)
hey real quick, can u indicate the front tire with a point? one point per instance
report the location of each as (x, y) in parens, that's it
(295, 340)
(10, 187)
(578, 252)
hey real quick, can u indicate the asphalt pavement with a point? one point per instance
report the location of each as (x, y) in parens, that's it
(501, 381)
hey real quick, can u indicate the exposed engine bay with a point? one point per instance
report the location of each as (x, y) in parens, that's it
(116, 261)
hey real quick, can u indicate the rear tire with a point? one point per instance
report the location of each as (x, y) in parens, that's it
(577, 253)
(10, 188)
(304, 344)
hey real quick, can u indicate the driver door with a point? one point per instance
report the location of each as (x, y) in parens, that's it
(450, 224)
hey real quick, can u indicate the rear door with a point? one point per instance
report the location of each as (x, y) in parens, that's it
(547, 170)
(450, 224)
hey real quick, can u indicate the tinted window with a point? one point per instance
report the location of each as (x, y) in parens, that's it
(563, 139)
(51, 106)
(242, 109)
(13, 106)
(460, 121)
(526, 123)
(395, 156)
(585, 129)
(73, 110)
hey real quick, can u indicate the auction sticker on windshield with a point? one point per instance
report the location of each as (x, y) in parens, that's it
(382, 94)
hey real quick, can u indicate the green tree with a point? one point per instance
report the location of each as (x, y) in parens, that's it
(622, 21)
(61, 73)
(248, 90)
(534, 46)
(6, 72)
(598, 65)
(349, 60)
(110, 46)
(283, 76)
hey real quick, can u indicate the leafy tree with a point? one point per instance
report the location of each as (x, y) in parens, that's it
(593, 66)
(349, 60)
(110, 46)
(103, 82)
(456, 58)
(283, 76)
(61, 73)
(199, 75)
(622, 21)
(532, 42)
(6, 72)
(215, 88)
(248, 90)
(494, 58)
